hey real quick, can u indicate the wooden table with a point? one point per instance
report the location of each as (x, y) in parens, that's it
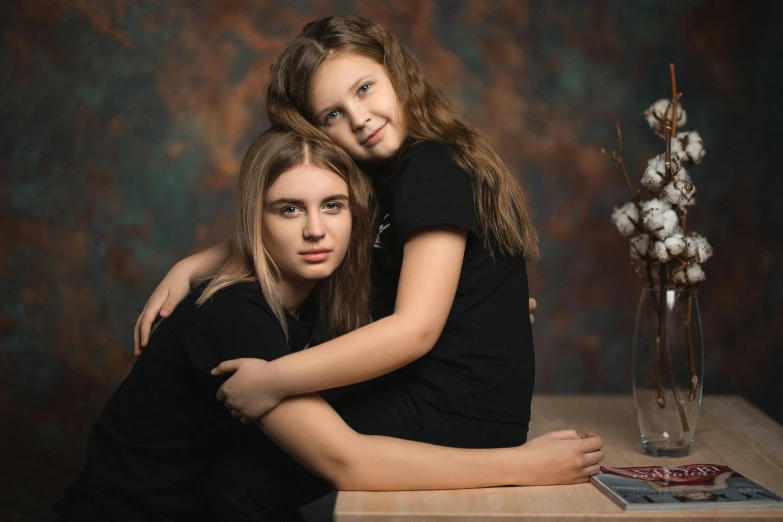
(731, 431)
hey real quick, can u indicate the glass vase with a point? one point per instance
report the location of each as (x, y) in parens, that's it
(667, 370)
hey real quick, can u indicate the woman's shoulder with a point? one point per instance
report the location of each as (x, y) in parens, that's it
(238, 310)
(236, 298)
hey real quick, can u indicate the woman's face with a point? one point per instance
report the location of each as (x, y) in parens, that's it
(354, 103)
(306, 224)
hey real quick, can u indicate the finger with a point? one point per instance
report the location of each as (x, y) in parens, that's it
(532, 304)
(246, 420)
(221, 396)
(236, 414)
(137, 346)
(136, 338)
(532, 319)
(590, 434)
(150, 313)
(591, 444)
(168, 306)
(566, 434)
(591, 470)
(593, 458)
(226, 367)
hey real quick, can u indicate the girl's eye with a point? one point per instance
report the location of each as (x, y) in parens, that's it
(331, 116)
(288, 211)
(364, 88)
(333, 206)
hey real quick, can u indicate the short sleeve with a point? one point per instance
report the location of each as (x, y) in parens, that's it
(432, 190)
(235, 322)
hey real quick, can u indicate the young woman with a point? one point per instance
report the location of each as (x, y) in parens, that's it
(449, 356)
(164, 449)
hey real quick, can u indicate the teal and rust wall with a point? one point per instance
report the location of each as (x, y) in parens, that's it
(124, 122)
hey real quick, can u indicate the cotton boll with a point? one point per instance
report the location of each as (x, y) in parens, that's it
(639, 246)
(695, 273)
(679, 277)
(690, 146)
(681, 191)
(661, 111)
(690, 275)
(654, 177)
(675, 245)
(671, 224)
(625, 218)
(704, 248)
(654, 205)
(658, 218)
(691, 248)
(660, 252)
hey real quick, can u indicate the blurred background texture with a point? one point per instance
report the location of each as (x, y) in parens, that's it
(125, 121)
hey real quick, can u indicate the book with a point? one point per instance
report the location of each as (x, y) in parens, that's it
(694, 486)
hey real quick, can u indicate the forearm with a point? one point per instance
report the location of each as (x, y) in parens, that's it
(371, 351)
(207, 262)
(311, 431)
(386, 464)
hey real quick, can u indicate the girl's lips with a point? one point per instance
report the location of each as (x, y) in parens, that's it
(375, 136)
(316, 256)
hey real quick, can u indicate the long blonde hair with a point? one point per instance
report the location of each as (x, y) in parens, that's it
(501, 204)
(343, 298)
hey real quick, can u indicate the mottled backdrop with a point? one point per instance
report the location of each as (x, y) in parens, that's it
(124, 123)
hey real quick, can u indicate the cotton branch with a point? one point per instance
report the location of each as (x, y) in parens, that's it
(620, 160)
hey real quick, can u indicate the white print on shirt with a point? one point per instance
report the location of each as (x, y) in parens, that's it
(381, 228)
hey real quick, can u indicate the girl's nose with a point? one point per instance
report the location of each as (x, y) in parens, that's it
(314, 228)
(359, 117)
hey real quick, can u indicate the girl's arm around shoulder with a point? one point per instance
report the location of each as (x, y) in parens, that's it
(174, 287)
(311, 431)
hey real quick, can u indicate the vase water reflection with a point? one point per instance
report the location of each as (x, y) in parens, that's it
(667, 370)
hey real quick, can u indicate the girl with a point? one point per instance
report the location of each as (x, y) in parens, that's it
(450, 335)
(164, 449)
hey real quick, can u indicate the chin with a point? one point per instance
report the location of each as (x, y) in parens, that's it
(317, 272)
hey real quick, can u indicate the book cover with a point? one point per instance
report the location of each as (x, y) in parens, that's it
(694, 486)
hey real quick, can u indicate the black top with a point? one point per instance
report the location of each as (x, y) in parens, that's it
(152, 446)
(483, 364)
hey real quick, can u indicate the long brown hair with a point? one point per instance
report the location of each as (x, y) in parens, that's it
(342, 298)
(501, 204)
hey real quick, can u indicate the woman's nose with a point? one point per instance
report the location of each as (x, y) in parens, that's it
(314, 228)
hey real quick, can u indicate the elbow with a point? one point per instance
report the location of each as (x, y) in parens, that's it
(424, 335)
(343, 466)
(346, 474)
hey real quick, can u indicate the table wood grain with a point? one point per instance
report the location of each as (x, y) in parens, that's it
(731, 431)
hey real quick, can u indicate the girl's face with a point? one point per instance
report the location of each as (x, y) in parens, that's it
(354, 103)
(306, 224)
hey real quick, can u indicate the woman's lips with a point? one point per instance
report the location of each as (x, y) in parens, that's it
(375, 136)
(315, 256)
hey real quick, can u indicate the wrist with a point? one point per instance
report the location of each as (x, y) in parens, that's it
(523, 466)
(279, 383)
(186, 268)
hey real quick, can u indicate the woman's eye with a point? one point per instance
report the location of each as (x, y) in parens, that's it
(288, 211)
(364, 88)
(331, 116)
(333, 205)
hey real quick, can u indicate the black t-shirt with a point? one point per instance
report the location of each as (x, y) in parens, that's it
(483, 364)
(150, 451)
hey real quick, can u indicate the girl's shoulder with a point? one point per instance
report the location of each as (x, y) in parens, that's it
(429, 158)
(429, 151)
